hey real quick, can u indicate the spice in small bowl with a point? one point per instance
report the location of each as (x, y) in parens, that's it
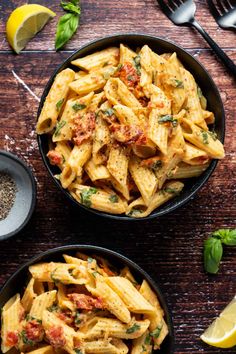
(8, 192)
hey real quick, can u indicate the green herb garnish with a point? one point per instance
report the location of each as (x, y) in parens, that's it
(55, 280)
(179, 84)
(205, 138)
(77, 318)
(25, 339)
(78, 351)
(213, 249)
(137, 64)
(90, 260)
(156, 332)
(156, 165)
(170, 190)
(130, 78)
(144, 348)
(168, 118)
(213, 135)
(53, 308)
(59, 126)
(113, 198)
(133, 329)
(109, 112)
(68, 23)
(31, 318)
(85, 196)
(59, 104)
(78, 106)
(148, 339)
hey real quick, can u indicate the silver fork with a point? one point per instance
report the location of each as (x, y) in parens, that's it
(181, 12)
(224, 13)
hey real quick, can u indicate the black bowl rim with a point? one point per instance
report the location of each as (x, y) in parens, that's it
(106, 251)
(156, 213)
(34, 193)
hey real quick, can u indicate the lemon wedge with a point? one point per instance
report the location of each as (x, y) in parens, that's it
(222, 332)
(24, 22)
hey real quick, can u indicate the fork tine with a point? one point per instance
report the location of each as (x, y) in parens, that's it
(164, 7)
(213, 9)
(172, 5)
(228, 4)
(220, 6)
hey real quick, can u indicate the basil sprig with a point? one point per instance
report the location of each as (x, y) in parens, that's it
(213, 249)
(68, 23)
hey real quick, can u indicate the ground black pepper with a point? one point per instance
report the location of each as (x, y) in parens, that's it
(7, 194)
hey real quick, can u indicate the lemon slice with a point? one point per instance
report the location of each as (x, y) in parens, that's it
(24, 22)
(222, 332)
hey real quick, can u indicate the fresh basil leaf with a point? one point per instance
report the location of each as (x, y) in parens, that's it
(85, 196)
(70, 7)
(213, 252)
(58, 127)
(78, 107)
(227, 236)
(113, 198)
(66, 27)
(133, 329)
(59, 104)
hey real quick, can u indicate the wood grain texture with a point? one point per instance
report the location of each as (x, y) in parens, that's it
(170, 247)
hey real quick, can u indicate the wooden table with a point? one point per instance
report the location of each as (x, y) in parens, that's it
(170, 247)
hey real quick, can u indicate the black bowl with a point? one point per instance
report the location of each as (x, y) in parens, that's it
(19, 279)
(201, 76)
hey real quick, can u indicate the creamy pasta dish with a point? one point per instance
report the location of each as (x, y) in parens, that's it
(125, 128)
(83, 305)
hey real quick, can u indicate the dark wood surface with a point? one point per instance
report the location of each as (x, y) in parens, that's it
(170, 247)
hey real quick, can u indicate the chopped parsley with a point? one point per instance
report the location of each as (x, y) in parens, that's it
(119, 67)
(133, 329)
(170, 190)
(109, 112)
(54, 279)
(59, 126)
(168, 118)
(59, 104)
(85, 196)
(58, 176)
(53, 308)
(25, 339)
(205, 137)
(148, 339)
(134, 212)
(213, 135)
(179, 84)
(77, 318)
(113, 198)
(78, 106)
(78, 351)
(137, 64)
(90, 260)
(105, 64)
(94, 274)
(156, 333)
(156, 165)
(144, 349)
(130, 77)
(31, 318)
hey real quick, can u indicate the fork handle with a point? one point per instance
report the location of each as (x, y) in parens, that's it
(221, 54)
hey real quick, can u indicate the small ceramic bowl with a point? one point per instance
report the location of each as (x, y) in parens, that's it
(25, 200)
(17, 282)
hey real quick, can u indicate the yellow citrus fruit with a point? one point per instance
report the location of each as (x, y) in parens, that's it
(24, 22)
(222, 332)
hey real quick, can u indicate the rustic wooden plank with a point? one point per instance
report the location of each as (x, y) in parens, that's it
(102, 18)
(169, 248)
